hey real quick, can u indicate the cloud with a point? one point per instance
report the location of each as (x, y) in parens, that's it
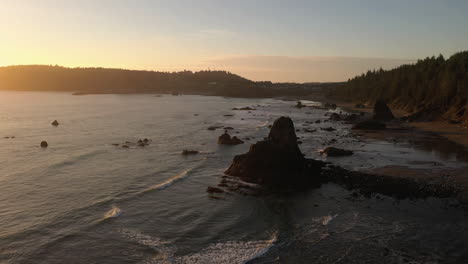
(301, 69)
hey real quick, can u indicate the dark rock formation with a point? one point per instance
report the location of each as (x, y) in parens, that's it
(370, 125)
(225, 139)
(55, 123)
(189, 152)
(382, 112)
(44, 144)
(335, 117)
(211, 189)
(336, 152)
(277, 161)
(329, 129)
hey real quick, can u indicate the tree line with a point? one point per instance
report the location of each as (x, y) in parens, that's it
(435, 86)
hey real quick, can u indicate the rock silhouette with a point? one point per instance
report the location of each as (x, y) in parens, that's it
(277, 161)
(382, 112)
(55, 123)
(226, 139)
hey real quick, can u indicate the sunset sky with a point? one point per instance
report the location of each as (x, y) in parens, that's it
(261, 40)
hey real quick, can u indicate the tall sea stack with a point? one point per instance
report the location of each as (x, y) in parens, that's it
(277, 161)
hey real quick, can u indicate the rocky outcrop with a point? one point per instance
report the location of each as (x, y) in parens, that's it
(382, 112)
(336, 152)
(226, 139)
(277, 161)
(55, 123)
(44, 144)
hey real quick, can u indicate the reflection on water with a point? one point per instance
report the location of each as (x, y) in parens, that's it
(85, 200)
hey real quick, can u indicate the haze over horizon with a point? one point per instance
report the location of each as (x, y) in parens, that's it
(301, 41)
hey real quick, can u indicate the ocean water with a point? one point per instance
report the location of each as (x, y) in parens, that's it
(85, 200)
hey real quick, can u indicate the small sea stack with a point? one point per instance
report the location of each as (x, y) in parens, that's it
(226, 139)
(382, 112)
(277, 161)
(44, 144)
(55, 123)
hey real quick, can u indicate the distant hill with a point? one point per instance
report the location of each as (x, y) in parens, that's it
(432, 88)
(104, 80)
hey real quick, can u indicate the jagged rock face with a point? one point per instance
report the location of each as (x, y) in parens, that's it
(382, 112)
(276, 161)
(225, 139)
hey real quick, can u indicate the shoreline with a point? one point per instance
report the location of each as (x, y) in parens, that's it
(452, 132)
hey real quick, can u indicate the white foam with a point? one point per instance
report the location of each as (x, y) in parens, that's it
(168, 182)
(114, 212)
(227, 252)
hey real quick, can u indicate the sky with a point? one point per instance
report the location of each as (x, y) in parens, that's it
(277, 40)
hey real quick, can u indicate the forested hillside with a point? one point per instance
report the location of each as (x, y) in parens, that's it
(103, 80)
(432, 88)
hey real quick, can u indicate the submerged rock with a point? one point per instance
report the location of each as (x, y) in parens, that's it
(189, 152)
(244, 108)
(277, 161)
(335, 117)
(226, 139)
(336, 152)
(211, 189)
(44, 144)
(370, 125)
(382, 112)
(299, 105)
(55, 123)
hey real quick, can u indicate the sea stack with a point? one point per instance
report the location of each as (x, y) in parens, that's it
(44, 144)
(277, 161)
(55, 123)
(382, 112)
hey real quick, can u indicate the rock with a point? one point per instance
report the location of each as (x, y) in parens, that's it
(318, 121)
(115, 144)
(189, 152)
(359, 105)
(244, 108)
(330, 106)
(299, 105)
(55, 123)
(214, 127)
(310, 130)
(225, 139)
(370, 125)
(228, 128)
(228, 115)
(211, 189)
(44, 144)
(335, 117)
(146, 140)
(351, 118)
(125, 146)
(329, 129)
(382, 112)
(277, 161)
(336, 152)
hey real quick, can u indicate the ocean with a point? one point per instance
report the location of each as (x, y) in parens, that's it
(87, 199)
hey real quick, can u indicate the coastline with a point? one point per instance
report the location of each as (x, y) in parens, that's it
(454, 133)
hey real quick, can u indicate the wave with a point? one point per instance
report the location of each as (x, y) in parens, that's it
(114, 212)
(225, 252)
(168, 182)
